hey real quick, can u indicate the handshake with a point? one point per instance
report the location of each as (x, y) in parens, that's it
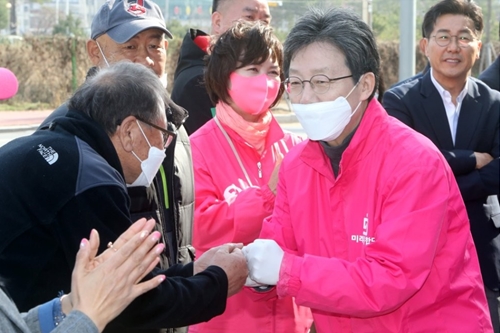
(257, 264)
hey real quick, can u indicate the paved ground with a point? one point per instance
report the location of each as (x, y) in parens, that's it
(16, 120)
(9, 120)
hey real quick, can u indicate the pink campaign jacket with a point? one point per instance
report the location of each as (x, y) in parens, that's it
(384, 247)
(229, 209)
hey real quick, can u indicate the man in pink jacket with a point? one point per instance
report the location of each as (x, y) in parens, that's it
(369, 229)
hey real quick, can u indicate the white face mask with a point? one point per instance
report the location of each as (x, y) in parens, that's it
(164, 80)
(150, 165)
(325, 121)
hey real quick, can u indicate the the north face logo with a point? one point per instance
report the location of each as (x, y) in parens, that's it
(49, 154)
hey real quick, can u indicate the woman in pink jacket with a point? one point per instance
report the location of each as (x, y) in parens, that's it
(236, 157)
(369, 229)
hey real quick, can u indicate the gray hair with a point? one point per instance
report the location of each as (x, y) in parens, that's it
(341, 28)
(121, 90)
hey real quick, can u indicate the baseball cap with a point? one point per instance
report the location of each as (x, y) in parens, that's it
(8, 83)
(122, 20)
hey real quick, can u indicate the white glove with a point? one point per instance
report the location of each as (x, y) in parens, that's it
(492, 208)
(251, 283)
(264, 258)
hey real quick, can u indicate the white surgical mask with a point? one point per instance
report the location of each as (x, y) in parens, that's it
(164, 80)
(150, 165)
(325, 121)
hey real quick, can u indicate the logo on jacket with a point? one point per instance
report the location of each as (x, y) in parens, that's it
(48, 153)
(231, 192)
(364, 238)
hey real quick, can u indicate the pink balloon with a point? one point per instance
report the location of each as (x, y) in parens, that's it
(8, 83)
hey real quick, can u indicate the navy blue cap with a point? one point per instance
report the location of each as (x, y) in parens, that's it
(122, 20)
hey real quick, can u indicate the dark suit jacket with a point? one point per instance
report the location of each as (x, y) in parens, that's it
(189, 88)
(491, 75)
(419, 105)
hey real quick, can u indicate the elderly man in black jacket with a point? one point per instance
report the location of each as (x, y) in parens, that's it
(124, 30)
(71, 177)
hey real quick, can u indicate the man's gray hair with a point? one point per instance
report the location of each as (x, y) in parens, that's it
(341, 28)
(121, 90)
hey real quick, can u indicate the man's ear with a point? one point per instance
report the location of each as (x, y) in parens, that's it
(424, 42)
(93, 52)
(479, 46)
(166, 44)
(421, 45)
(216, 23)
(367, 84)
(125, 135)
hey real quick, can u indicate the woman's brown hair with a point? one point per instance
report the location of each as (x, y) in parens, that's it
(243, 44)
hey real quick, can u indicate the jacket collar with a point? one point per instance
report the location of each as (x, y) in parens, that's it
(468, 121)
(433, 108)
(427, 88)
(443, 92)
(85, 128)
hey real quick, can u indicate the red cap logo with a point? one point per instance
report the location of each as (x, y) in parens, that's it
(137, 8)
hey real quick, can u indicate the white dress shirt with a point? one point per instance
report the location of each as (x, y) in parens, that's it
(452, 110)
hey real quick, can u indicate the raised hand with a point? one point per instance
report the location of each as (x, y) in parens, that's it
(103, 287)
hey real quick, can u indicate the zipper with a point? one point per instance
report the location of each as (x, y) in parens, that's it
(259, 166)
(164, 187)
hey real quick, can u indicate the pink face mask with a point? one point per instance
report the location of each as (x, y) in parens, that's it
(253, 94)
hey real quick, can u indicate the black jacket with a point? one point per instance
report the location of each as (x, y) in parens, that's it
(189, 90)
(419, 105)
(58, 184)
(491, 75)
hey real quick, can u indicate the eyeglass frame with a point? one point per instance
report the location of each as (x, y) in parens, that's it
(330, 80)
(165, 132)
(463, 46)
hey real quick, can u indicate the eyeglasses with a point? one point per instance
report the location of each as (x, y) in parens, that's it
(168, 136)
(444, 39)
(320, 84)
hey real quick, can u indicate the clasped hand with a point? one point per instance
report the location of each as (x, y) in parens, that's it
(228, 257)
(262, 257)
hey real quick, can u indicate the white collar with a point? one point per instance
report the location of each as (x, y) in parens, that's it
(445, 93)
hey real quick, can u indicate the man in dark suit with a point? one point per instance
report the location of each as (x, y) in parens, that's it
(461, 116)
(491, 75)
